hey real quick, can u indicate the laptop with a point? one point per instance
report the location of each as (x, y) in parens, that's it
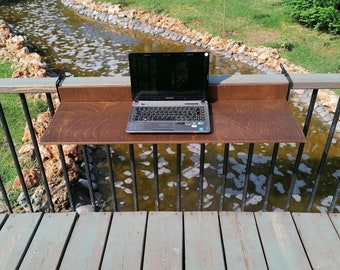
(169, 93)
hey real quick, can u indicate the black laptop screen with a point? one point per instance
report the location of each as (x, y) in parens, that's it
(166, 76)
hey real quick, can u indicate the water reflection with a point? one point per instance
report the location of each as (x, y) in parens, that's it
(88, 48)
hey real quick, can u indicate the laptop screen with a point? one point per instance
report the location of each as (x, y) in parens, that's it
(169, 76)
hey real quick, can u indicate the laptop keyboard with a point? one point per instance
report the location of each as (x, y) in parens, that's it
(185, 113)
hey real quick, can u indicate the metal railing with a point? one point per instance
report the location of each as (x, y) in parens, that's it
(308, 82)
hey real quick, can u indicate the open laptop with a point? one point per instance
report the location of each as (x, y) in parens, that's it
(168, 91)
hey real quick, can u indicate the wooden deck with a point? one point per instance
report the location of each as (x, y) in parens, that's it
(170, 240)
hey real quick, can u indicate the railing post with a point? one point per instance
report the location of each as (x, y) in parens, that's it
(88, 175)
(37, 151)
(201, 177)
(111, 176)
(61, 157)
(179, 177)
(224, 175)
(156, 177)
(246, 179)
(5, 197)
(270, 176)
(15, 157)
(301, 147)
(134, 177)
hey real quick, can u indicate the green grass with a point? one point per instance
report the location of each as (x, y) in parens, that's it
(16, 121)
(255, 23)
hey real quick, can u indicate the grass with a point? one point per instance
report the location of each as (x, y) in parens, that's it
(255, 23)
(16, 121)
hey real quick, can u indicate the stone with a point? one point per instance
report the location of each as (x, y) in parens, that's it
(84, 209)
(32, 178)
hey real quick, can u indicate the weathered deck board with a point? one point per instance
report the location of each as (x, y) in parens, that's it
(320, 240)
(164, 241)
(53, 233)
(2, 219)
(203, 243)
(336, 222)
(286, 251)
(87, 242)
(124, 248)
(242, 244)
(15, 237)
(170, 240)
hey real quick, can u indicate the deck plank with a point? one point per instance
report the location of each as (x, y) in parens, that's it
(15, 237)
(2, 219)
(335, 218)
(86, 245)
(280, 240)
(320, 239)
(203, 243)
(52, 234)
(164, 241)
(242, 244)
(124, 248)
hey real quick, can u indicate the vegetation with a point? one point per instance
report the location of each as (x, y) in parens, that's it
(322, 15)
(16, 121)
(255, 23)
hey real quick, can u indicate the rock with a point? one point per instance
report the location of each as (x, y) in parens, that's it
(32, 178)
(13, 48)
(84, 209)
(84, 183)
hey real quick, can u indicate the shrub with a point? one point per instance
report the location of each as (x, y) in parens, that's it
(322, 15)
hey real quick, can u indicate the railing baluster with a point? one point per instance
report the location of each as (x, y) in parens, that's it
(335, 198)
(111, 178)
(324, 154)
(37, 151)
(270, 176)
(179, 177)
(224, 175)
(156, 177)
(61, 157)
(134, 177)
(201, 177)
(246, 178)
(300, 150)
(5, 197)
(88, 175)
(15, 158)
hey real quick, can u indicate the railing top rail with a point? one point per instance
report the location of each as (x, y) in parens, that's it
(47, 85)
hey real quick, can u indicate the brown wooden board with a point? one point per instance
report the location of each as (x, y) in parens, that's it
(242, 244)
(15, 237)
(234, 121)
(280, 240)
(124, 248)
(164, 241)
(320, 239)
(203, 242)
(49, 241)
(87, 242)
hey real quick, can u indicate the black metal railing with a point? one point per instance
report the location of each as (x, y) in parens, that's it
(308, 82)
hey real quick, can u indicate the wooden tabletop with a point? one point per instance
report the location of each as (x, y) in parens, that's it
(242, 114)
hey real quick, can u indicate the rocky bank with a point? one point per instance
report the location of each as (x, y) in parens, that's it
(14, 48)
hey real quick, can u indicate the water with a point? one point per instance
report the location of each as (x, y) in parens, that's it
(88, 48)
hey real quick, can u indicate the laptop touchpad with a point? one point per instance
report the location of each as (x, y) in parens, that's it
(163, 126)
